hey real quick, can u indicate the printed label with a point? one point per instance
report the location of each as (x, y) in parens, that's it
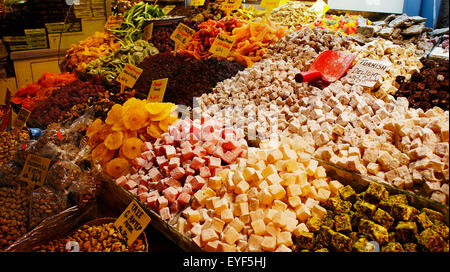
(21, 118)
(35, 170)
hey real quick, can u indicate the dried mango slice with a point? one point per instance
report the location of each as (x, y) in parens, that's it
(155, 107)
(95, 127)
(116, 167)
(114, 115)
(114, 140)
(154, 131)
(102, 154)
(131, 148)
(135, 118)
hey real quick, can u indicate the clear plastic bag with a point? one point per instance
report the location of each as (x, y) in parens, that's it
(62, 174)
(45, 201)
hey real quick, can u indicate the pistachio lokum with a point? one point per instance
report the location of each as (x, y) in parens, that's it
(392, 247)
(342, 223)
(383, 218)
(347, 193)
(406, 231)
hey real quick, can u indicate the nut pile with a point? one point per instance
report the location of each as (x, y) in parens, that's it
(45, 202)
(100, 238)
(293, 14)
(14, 204)
(9, 143)
(429, 87)
(352, 220)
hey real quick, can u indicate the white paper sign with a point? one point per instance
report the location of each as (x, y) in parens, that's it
(367, 72)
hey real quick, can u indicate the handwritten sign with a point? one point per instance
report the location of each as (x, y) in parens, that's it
(35, 170)
(222, 45)
(197, 3)
(167, 9)
(269, 5)
(367, 72)
(148, 32)
(319, 8)
(182, 34)
(129, 75)
(21, 118)
(113, 22)
(157, 90)
(229, 5)
(132, 222)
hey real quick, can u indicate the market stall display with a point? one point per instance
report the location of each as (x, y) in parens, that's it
(10, 141)
(293, 14)
(347, 24)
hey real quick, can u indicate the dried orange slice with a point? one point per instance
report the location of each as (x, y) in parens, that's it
(114, 140)
(95, 127)
(154, 131)
(116, 167)
(131, 148)
(102, 154)
(114, 115)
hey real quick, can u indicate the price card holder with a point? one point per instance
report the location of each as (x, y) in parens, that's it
(21, 119)
(167, 9)
(367, 72)
(113, 22)
(128, 76)
(157, 90)
(182, 35)
(229, 5)
(148, 32)
(35, 170)
(269, 5)
(197, 3)
(132, 222)
(222, 45)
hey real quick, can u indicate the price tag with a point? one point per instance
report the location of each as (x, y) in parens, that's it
(182, 34)
(197, 3)
(222, 45)
(229, 5)
(157, 90)
(113, 22)
(35, 170)
(128, 76)
(21, 118)
(167, 9)
(367, 72)
(269, 5)
(148, 32)
(132, 222)
(319, 8)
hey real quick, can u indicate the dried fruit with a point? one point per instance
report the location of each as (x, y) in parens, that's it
(102, 154)
(116, 167)
(114, 140)
(131, 148)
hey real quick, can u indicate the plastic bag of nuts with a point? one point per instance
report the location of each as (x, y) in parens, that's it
(45, 202)
(61, 175)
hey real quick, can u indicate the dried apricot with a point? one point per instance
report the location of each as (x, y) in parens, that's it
(131, 148)
(114, 140)
(135, 118)
(102, 154)
(114, 115)
(95, 127)
(116, 167)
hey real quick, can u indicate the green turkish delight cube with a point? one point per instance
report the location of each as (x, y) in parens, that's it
(341, 242)
(433, 241)
(354, 236)
(328, 220)
(304, 239)
(375, 192)
(364, 209)
(387, 204)
(406, 231)
(423, 221)
(403, 212)
(342, 223)
(373, 231)
(392, 247)
(343, 207)
(363, 245)
(410, 247)
(323, 237)
(313, 224)
(347, 193)
(433, 215)
(440, 228)
(383, 218)
(332, 203)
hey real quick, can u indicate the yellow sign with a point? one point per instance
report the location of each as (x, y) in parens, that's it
(167, 9)
(113, 22)
(35, 170)
(319, 8)
(197, 3)
(129, 75)
(148, 32)
(269, 5)
(230, 5)
(132, 222)
(222, 45)
(21, 118)
(157, 90)
(182, 34)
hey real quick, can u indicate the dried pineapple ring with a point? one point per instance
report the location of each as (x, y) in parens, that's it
(114, 140)
(155, 107)
(131, 148)
(114, 115)
(135, 118)
(129, 134)
(154, 131)
(164, 124)
(102, 154)
(173, 117)
(116, 167)
(95, 127)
